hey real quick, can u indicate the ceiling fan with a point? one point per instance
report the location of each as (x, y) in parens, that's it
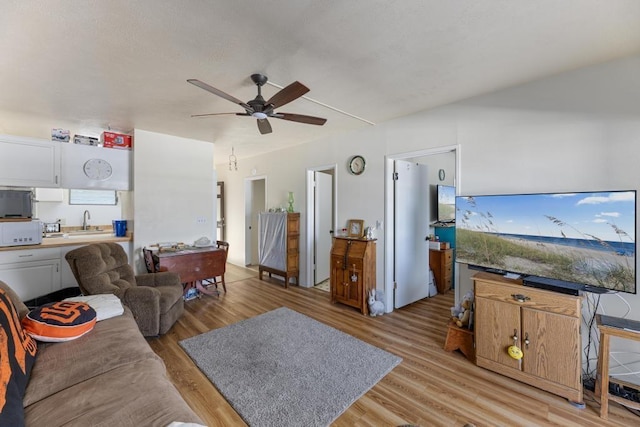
(261, 109)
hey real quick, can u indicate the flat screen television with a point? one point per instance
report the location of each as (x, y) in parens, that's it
(446, 203)
(586, 238)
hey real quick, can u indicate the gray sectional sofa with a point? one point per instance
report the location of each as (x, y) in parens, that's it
(108, 377)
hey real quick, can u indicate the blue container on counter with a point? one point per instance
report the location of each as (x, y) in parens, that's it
(120, 227)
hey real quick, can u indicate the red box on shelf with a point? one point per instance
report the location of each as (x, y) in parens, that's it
(116, 140)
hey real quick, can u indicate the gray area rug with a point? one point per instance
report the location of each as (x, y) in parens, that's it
(283, 368)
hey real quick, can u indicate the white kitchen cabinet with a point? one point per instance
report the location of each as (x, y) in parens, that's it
(49, 194)
(29, 162)
(78, 174)
(67, 280)
(31, 273)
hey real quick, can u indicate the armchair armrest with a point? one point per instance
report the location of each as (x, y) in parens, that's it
(164, 278)
(144, 302)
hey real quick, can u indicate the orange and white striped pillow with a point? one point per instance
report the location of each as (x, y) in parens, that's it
(60, 321)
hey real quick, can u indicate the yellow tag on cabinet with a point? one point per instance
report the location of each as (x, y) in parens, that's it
(515, 352)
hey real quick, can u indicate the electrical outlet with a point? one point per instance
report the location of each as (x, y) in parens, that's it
(201, 220)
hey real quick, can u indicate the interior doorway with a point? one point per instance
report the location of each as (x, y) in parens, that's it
(391, 249)
(321, 220)
(255, 201)
(220, 222)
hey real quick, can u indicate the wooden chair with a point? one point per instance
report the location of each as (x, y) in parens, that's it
(151, 261)
(220, 244)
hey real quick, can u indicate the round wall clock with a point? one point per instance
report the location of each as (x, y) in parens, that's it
(98, 169)
(357, 165)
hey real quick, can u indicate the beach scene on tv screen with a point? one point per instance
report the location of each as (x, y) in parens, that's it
(446, 203)
(585, 238)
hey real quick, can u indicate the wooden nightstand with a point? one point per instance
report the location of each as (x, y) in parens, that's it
(441, 263)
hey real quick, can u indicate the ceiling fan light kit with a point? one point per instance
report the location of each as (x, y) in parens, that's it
(261, 109)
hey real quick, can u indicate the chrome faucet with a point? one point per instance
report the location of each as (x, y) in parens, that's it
(85, 216)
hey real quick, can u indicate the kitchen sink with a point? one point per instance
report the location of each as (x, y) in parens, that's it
(85, 232)
(95, 235)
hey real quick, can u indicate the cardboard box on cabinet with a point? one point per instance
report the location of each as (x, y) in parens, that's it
(116, 140)
(439, 245)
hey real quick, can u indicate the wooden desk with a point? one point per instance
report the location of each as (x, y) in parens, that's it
(602, 378)
(195, 265)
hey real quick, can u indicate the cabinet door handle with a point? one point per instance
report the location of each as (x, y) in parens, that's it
(515, 336)
(526, 340)
(25, 256)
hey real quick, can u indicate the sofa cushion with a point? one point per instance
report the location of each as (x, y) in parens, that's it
(105, 305)
(17, 354)
(110, 345)
(60, 321)
(15, 299)
(137, 394)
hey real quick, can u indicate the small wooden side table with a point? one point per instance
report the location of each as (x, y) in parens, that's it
(612, 327)
(460, 339)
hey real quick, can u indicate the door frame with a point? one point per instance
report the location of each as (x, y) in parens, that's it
(248, 203)
(220, 225)
(310, 240)
(389, 195)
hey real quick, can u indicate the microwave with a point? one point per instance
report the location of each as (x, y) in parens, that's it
(16, 204)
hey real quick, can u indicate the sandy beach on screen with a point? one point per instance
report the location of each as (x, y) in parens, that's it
(604, 258)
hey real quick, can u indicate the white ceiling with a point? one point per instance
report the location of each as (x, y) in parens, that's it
(124, 64)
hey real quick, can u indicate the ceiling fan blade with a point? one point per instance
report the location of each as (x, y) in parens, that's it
(294, 91)
(220, 93)
(217, 114)
(264, 126)
(310, 120)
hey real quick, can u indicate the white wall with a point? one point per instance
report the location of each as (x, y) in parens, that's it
(174, 190)
(579, 131)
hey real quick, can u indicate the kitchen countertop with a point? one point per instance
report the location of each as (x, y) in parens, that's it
(72, 240)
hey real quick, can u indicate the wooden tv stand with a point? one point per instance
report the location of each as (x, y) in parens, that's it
(545, 325)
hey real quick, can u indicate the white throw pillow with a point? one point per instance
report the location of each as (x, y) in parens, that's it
(105, 305)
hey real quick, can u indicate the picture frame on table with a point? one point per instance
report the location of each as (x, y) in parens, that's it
(355, 228)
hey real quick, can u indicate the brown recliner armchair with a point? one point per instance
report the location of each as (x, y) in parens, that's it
(155, 299)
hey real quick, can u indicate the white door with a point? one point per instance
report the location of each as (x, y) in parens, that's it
(411, 218)
(323, 227)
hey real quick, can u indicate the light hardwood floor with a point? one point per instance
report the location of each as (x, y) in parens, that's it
(430, 387)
